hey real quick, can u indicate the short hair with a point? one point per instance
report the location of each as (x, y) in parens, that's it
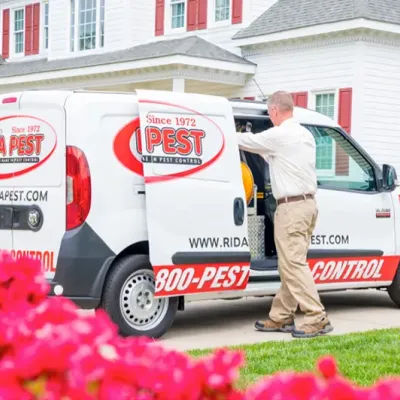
(282, 100)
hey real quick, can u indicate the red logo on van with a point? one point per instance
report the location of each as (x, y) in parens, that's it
(26, 143)
(179, 141)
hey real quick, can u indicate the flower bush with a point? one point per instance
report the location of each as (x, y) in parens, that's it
(49, 351)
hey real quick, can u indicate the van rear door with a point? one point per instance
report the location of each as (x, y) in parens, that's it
(195, 200)
(9, 105)
(37, 146)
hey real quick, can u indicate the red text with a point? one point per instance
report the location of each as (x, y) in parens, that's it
(180, 141)
(45, 257)
(22, 145)
(200, 279)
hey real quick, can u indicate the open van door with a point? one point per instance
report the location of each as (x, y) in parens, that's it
(195, 200)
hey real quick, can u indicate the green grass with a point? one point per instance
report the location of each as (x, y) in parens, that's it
(361, 357)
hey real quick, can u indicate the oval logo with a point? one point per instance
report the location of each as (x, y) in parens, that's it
(177, 145)
(26, 143)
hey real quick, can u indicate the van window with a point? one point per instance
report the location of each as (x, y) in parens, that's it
(339, 164)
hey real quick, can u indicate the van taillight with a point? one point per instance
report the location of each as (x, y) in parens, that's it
(79, 190)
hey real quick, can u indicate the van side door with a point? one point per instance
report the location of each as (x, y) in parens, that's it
(195, 200)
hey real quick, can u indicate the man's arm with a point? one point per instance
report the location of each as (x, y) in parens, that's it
(264, 143)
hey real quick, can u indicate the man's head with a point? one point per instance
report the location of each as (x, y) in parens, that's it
(280, 107)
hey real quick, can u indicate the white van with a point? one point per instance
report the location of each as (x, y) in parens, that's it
(110, 190)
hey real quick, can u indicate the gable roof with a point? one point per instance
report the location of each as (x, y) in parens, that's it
(285, 15)
(191, 46)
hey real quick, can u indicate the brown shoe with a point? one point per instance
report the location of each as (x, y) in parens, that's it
(308, 331)
(271, 326)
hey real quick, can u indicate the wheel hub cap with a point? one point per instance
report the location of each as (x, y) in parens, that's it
(138, 306)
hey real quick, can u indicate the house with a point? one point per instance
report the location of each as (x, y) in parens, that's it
(339, 57)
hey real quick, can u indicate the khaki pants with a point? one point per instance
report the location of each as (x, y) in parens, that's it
(294, 223)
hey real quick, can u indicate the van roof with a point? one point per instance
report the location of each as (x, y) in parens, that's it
(245, 108)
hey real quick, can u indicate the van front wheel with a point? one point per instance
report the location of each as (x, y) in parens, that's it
(394, 288)
(128, 298)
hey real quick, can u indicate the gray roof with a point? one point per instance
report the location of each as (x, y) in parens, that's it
(192, 46)
(291, 14)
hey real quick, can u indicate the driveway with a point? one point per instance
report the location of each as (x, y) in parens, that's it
(217, 323)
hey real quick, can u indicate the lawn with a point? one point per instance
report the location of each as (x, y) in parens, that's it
(361, 357)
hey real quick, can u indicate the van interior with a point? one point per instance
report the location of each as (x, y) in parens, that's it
(265, 202)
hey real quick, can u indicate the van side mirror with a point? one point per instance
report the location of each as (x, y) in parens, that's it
(389, 177)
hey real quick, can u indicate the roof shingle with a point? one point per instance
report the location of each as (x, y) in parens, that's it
(191, 46)
(285, 15)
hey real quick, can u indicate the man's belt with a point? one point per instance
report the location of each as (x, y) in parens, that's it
(295, 198)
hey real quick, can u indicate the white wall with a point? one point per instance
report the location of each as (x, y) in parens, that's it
(216, 33)
(381, 119)
(303, 68)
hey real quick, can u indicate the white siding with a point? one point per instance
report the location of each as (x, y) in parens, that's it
(306, 69)
(381, 119)
(59, 26)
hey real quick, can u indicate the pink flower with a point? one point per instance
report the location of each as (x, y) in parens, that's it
(327, 367)
(287, 385)
(49, 351)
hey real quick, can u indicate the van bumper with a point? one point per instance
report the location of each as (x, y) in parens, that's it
(83, 262)
(86, 303)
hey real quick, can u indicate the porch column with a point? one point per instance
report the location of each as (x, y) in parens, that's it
(178, 85)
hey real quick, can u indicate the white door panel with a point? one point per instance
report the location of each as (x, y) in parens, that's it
(193, 184)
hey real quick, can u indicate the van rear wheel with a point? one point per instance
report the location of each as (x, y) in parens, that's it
(128, 298)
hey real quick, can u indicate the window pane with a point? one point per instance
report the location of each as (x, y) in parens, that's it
(19, 22)
(178, 15)
(325, 104)
(339, 164)
(87, 24)
(222, 8)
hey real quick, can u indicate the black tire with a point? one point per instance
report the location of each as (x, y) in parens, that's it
(394, 289)
(119, 306)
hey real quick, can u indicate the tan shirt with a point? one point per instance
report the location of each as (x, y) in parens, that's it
(290, 151)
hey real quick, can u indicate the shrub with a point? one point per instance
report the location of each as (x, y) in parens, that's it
(50, 351)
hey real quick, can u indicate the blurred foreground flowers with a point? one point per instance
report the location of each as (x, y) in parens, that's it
(48, 351)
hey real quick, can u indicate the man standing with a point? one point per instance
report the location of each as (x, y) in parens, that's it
(290, 151)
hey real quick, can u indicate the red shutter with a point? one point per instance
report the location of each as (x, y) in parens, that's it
(344, 120)
(345, 106)
(159, 23)
(191, 15)
(28, 29)
(300, 99)
(202, 14)
(237, 11)
(36, 29)
(249, 98)
(6, 34)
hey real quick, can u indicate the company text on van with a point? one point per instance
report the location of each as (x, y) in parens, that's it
(23, 195)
